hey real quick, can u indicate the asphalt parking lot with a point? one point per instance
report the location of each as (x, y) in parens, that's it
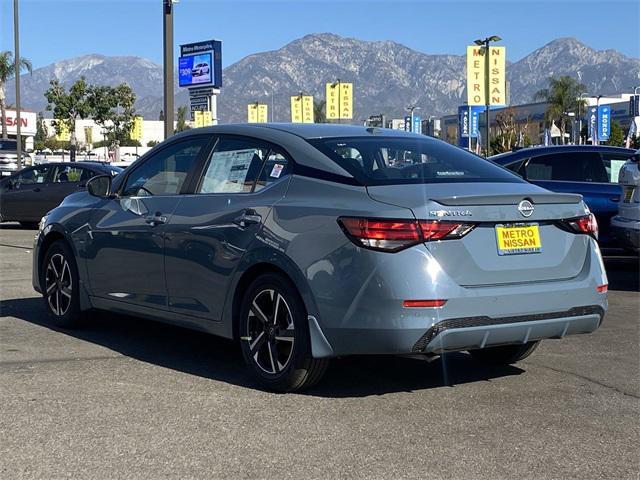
(129, 398)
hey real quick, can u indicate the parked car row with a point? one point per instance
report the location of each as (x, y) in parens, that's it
(29, 194)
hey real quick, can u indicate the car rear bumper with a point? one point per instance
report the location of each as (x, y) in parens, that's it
(480, 332)
(626, 232)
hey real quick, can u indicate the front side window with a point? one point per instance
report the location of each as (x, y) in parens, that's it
(568, 167)
(166, 171)
(33, 175)
(234, 166)
(401, 160)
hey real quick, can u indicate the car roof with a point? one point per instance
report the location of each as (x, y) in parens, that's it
(82, 163)
(537, 151)
(308, 130)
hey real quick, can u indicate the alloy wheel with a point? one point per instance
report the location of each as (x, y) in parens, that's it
(271, 331)
(59, 284)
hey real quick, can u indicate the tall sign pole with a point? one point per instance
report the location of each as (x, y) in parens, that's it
(167, 16)
(16, 40)
(487, 95)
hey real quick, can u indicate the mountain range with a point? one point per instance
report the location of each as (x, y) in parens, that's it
(387, 76)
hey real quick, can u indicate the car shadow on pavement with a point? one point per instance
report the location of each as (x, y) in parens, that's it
(623, 273)
(219, 359)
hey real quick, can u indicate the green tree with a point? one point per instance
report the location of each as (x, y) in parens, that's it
(152, 143)
(616, 136)
(68, 106)
(161, 116)
(181, 123)
(319, 114)
(42, 133)
(112, 108)
(562, 97)
(7, 71)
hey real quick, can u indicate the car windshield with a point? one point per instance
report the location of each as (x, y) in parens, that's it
(407, 160)
(10, 145)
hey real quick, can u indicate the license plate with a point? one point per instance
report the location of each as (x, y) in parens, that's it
(628, 194)
(518, 239)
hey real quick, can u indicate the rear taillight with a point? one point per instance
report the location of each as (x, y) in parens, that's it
(586, 224)
(395, 235)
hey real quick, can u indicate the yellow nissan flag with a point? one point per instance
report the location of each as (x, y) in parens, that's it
(339, 100)
(302, 109)
(257, 112)
(207, 118)
(476, 76)
(198, 118)
(136, 130)
(497, 71)
(62, 132)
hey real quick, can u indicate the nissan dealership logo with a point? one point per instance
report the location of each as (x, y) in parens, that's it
(525, 208)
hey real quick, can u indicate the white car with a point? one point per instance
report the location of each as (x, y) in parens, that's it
(626, 225)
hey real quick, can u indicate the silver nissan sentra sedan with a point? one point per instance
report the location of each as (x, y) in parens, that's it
(306, 242)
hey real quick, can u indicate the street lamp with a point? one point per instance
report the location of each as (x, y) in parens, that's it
(167, 35)
(487, 90)
(16, 57)
(580, 117)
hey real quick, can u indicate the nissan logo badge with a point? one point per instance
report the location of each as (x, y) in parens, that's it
(525, 208)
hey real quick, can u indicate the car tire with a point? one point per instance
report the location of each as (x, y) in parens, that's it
(504, 355)
(60, 286)
(274, 336)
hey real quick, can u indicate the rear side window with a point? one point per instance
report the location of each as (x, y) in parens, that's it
(234, 166)
(568, 167)
(403, 160)
(276, 166)
(613, 163)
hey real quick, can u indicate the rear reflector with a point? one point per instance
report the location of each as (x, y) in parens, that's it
(602, 288)
(423, 303)
(394, 235)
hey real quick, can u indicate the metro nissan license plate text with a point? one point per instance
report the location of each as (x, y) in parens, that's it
(518, 238)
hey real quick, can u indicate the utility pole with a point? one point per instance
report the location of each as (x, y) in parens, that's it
(16, 57)
(580, 118)
(167, 17)
(487, 88)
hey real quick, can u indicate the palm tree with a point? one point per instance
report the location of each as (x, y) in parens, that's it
(562, 97)
(7, 71)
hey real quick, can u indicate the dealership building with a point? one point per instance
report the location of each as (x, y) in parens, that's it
(530, 118)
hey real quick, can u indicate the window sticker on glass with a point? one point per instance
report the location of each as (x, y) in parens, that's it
(277, 170)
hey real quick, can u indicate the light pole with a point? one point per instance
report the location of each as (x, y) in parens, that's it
(580, 118)
(16, 40)
(410, 109)
(596, 140)
(167, 35)
(333, 85)
(487, 89)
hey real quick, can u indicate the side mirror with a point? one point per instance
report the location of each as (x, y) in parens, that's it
(99, 186)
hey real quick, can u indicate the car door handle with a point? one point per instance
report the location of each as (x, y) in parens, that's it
(615, 199)
(156, 219)
(249, 217)
(37, 189)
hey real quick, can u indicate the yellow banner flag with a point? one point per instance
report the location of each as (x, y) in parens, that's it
(88, 135)
(476, 86)
(497, 72)
(257, 112)
(136, 129)
(302, 109)
(207, 118)
(198, 118)
(62, 132)
(475, 76)
(339, 100)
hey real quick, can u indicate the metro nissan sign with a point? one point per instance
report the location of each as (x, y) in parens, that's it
(27, 123)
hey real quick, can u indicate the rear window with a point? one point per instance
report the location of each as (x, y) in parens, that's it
(397, 161)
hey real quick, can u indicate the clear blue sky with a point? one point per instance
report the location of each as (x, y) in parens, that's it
(57, 29)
